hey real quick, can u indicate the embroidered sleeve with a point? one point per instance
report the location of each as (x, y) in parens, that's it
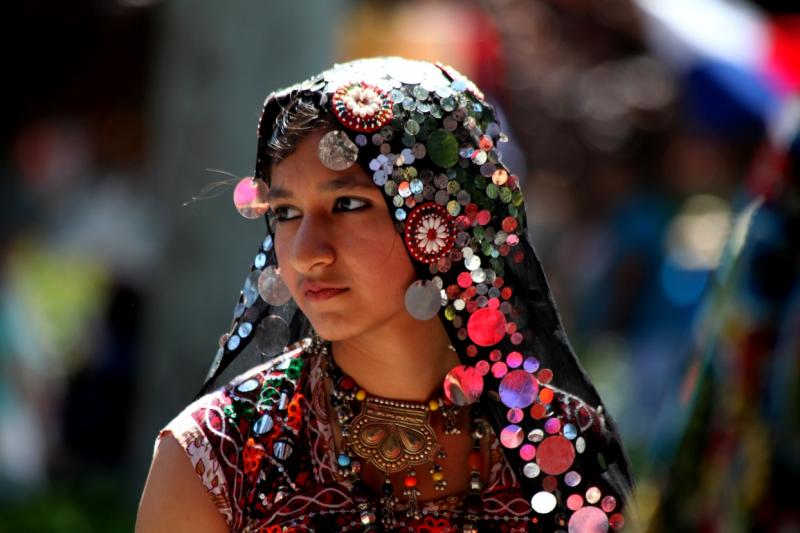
(190, 429)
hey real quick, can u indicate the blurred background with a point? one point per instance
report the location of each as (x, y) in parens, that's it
(657, 142)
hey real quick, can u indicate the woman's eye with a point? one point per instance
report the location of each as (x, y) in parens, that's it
(348, 203)
(284, 213)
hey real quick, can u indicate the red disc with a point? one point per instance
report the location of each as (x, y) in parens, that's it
(486, 327)
(555, 455)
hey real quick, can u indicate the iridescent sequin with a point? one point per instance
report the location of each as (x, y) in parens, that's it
(336, 151)
(463, 385)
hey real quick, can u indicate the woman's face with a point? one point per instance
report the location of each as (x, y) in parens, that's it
(345, 264)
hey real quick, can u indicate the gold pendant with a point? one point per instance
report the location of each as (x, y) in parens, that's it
(393, 435)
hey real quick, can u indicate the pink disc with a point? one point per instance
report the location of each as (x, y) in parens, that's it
(574, 502)
(514, 359)
(527, 452)
(250, 197)
(515, 415)
(463, 385)
(464, 280)
(588, 520)
(608, 504)
(486, 327)
(511, 436)
(552, 425)
(482, 367)
(499, 369)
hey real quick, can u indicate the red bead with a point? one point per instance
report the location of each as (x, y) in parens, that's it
(347, 383)
(475, 460)
(410, 481)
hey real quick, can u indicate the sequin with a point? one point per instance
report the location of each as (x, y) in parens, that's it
(538, 411)
(336, 151)
(572, 478)
(453, 208)
(250, 197)
(536, 435)
(472, 262)
(570, 431)
(486, 327)
(479, 275)
(580, 445)
(574, 502)
(527, 452)
(379, 178)
(518, 389)
(233, 342)
(616, 521)
(245, 328)
(442, 148)
(543, 502)
(463, 385)
(531, 364)
(263, 425)
(260, 261)
(552, 425)
(500, 177)
(266, 244)
(514, 415)
(514, 359)
(588, 520)
(282, 450)
(608, 504)
(593, 495)
(272, 288)
(530, 470)
(499, 369)
(483, 368)
(248, 386)
(511, 436)
(555, 455)
(423, 299)
(272, 335)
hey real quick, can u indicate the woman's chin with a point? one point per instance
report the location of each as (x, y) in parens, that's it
(332, 330)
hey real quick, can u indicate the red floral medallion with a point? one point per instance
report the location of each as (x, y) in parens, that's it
(429, 232)
(362, 107)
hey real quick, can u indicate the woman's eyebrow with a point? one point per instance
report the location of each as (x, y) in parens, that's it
(344, 182)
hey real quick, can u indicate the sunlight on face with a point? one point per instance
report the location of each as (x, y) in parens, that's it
(338, 251)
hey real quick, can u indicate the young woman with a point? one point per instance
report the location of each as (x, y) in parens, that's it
(428, 383)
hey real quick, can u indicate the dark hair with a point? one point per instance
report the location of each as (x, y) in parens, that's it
(294, 122)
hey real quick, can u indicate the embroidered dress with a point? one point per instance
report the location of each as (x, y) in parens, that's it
(263, 448)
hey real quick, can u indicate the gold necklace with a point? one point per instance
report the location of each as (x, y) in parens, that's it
(393, 435)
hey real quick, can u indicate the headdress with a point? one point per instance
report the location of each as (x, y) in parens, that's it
(428, 139)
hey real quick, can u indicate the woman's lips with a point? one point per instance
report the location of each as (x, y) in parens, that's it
(322, 294)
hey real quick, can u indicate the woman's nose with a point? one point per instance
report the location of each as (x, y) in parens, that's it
(313, 247)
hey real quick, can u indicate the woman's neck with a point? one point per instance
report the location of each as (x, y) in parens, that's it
(403, 360)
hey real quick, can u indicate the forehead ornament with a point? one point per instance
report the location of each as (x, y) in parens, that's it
(336, 151)
(362, 107)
